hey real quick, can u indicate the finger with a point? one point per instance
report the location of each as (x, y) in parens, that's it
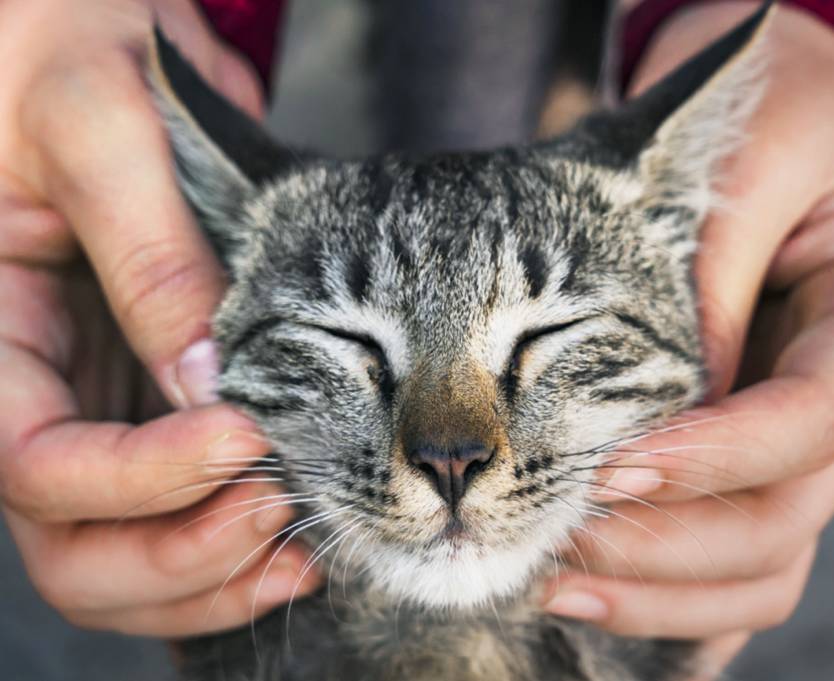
(774, 346)
(221, 66)
(159, 274)
(30, 231)
(214, 610)
(54, 467)
(688, 611)
(157, 560)
(809, 247)
(715, 655)
(745, 535)
(236, 79)
(33, 315)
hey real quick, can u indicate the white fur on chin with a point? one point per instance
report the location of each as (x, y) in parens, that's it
(460, 577)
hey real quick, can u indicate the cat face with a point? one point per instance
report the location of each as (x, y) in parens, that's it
(443, 351)
(445, 359)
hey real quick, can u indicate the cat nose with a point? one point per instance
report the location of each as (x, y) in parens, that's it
(451, 469)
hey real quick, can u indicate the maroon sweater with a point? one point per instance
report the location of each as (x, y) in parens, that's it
(253, 26)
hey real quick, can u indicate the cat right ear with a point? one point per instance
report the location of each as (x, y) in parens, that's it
(222, 155)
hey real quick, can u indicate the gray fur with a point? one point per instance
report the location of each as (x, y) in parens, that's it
(538, 299)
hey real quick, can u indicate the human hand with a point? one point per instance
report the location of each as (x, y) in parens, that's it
(725, 512)
(84, 168)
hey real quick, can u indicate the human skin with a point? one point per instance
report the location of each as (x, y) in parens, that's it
(743, 492)
(90, 447)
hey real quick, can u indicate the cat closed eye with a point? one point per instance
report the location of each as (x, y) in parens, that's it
(379, 369)
(529, 337)
(523, 343)
(366, 342)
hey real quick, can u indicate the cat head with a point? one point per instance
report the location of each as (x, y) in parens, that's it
(443, 350)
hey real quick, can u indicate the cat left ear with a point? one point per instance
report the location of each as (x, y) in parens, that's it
(678, 131)
(221, 153)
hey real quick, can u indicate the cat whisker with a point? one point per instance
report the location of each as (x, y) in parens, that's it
(581, 526)
(334, 538)
(498, 619)
(576, 550)
(656, 536)
(190, 488)
(557, 567)
(726, 476)
(310, 472)
(324, 465)
(608, 445)
(694, 488)
(229, 461)
(217, 511)
(397, 610)
(362, 539)
(712, 471)
(293, 530)
(654, 507)
(684, 425)
(598, 540)
(269, 507)
(333, 564)
(250, 469)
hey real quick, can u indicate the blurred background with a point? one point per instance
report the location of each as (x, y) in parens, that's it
(327, 101)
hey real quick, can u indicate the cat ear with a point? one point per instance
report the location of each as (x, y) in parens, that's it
(678, 131)
(221, 153)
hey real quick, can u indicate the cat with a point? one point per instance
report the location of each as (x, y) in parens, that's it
(443, 352)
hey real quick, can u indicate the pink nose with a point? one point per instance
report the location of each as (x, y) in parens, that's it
(451, 469)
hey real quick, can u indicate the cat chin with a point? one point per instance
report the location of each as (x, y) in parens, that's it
(462, 577)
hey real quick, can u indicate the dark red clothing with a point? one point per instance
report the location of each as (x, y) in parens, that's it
(641, 23)
(252, 26)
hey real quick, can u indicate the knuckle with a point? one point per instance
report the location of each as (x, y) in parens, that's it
(26, 485)
(46, 579)
(91, 620)
(84, 90)
(81, 112)
(80, 619)
(182, 552)
(64, 596)
(776, 551)
(152, 273)
(782, 606)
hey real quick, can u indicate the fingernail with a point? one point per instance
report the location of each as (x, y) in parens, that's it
(237, 445)
(195, 375)
(578, 605)
(629, 482)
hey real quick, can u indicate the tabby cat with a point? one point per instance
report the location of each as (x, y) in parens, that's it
(443, 350)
